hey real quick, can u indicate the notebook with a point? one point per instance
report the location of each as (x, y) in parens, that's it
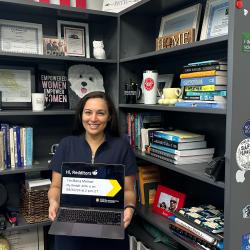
(91, 201)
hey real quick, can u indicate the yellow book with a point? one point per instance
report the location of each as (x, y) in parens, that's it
(203, 73)
(204, 88)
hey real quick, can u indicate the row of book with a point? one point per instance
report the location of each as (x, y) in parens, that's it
(203, 225)
(204, 84)
(179, 147)
(16, 146)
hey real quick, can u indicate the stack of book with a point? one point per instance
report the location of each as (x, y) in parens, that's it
(204, 84)
(203, 224)
(179, 147)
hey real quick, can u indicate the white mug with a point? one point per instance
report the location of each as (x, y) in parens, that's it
(38, 101)
(150, 78)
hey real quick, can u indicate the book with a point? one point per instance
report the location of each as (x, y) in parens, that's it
(208, 62)
(6, 135)
(208, 93)
(177, 228)
(53, 83)
(149, 177)
(206, 88)
(206, 80)
(186, 152)
(79, 4)
(178, 158)
(184, 161)
(179, 135)
(204, 73)
(177, 145)
(12, 149)
(145, 137)
(2, 165)
(188, 68)
(206, 216)
(37, 184)
(17, 146)
(201, 104)
(29, 145)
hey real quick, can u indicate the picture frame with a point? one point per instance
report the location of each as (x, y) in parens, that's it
(188, 18)
(215, 22)
(53, 46)
(16, 85)
(21, 37)
(76, 37)
(167, 201)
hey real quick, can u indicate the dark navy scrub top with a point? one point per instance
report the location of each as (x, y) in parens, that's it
(114, 150)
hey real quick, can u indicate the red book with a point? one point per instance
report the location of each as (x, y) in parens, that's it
(65, 2)
(43, 1)
(81, 4)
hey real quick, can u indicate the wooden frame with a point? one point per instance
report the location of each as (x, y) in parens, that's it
(167, 200)
(188, 18)
(70, 31)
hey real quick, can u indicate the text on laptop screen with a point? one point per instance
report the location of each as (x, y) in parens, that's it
(92, 185)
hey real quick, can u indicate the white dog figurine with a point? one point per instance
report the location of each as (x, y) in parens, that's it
(98, 50)
(82, 80)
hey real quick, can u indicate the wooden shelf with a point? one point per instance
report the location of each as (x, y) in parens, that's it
(195, 171)
(173, 108)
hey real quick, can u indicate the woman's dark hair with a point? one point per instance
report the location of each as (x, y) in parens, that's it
(112, 125)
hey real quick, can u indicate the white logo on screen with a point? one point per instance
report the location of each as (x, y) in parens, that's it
(94, 172)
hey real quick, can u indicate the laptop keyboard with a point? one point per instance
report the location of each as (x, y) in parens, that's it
(89, 216)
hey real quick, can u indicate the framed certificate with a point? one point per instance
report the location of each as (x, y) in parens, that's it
(16, 85)
(21, 37)
(76, 37)
(184, 19)
(215, 21)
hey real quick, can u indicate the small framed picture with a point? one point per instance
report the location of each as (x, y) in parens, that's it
(76, 38)
(184, 19)
(16, 85)
(53, 47)
(167, 200)
(216, 18)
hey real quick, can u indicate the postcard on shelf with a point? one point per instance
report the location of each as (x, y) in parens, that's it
(167, 200)
(21, 37)
(54, 47)
(216, 18)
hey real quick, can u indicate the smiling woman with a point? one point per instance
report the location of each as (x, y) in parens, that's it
(96, 139)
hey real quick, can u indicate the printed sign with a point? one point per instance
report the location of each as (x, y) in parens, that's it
(243, 159)
(245, 37)
(246, 212)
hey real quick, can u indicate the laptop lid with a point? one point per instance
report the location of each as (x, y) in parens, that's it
(92, 185)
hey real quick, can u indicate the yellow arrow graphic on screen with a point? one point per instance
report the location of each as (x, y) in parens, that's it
(116, 188)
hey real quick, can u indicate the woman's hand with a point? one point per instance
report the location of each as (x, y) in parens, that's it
(128, 214)
(53, 208)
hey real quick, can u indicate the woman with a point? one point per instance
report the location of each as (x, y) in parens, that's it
(95, 139)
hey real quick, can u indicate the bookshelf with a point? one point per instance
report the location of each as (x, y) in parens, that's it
(139, 26)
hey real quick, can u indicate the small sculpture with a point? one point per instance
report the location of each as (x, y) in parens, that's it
(98, 50)
(170, 96)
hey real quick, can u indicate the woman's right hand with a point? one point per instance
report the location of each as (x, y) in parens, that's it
(53, 208)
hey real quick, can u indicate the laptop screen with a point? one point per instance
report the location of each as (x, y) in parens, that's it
(92, 185)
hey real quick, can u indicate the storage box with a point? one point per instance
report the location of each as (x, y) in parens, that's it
(34, 205)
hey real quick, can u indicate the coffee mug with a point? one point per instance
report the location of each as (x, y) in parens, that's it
(132, 92)
(53, 148)
(171, 93)
(38, 102)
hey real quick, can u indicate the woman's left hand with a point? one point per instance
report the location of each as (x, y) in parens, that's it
(128, 214)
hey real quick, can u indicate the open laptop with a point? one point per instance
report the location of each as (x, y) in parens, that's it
(91, 201)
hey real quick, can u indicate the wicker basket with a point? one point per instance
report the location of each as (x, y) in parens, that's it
(34, 205)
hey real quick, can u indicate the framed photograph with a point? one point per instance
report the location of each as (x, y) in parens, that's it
(21, 37)
(164, 81)
(53, 47)
(167, 200)
(184, 19)
(76, 38)
(215, 21)
(16, 85)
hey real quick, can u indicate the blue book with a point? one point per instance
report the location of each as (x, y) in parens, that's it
(201, 104)
(206, 80)
(17, 143)
(29, 146)
(208, 93)
(6, 139)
